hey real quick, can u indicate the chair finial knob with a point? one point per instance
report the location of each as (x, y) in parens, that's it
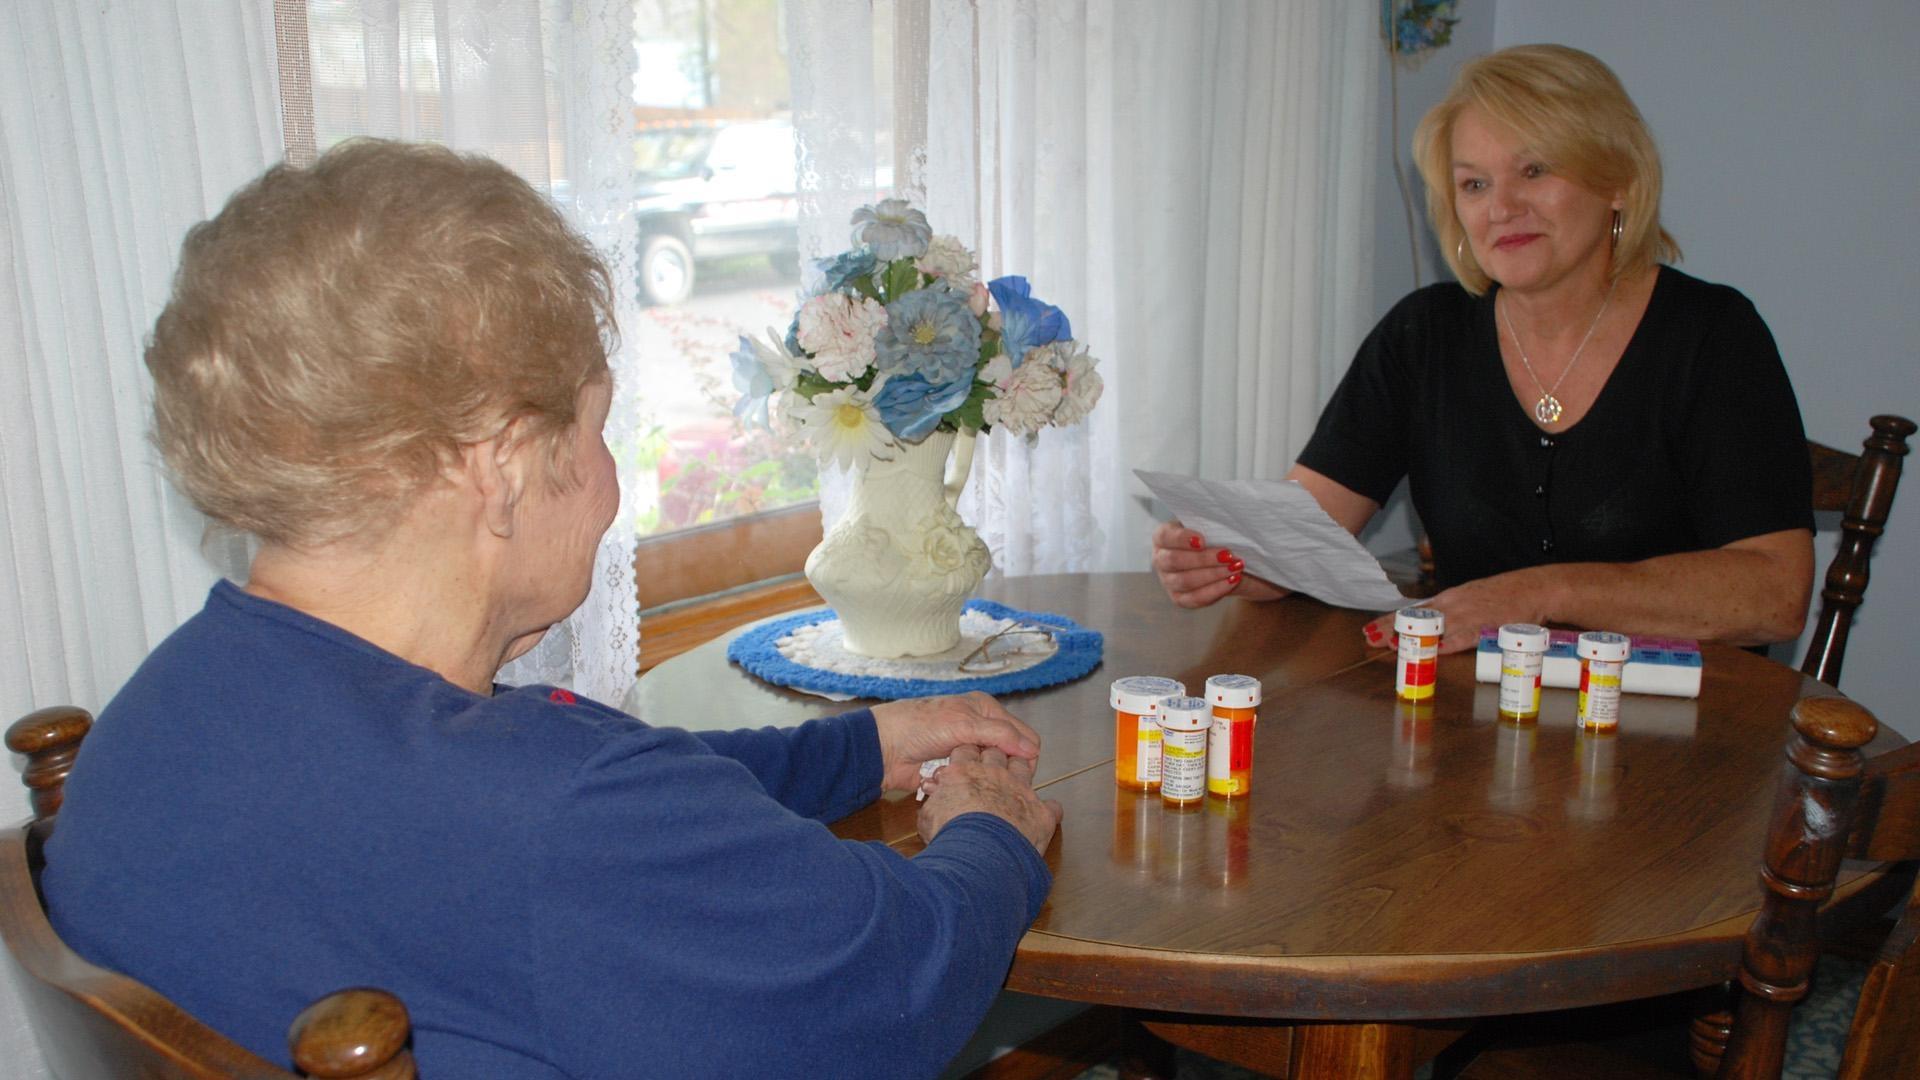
(1835, 722)
(356, 1034)
(49, 738)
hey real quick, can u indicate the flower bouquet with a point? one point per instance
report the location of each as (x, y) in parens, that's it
(900, 339)
(897, 351)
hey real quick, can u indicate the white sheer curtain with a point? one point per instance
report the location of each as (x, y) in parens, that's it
(126, 122)
(122, 124)
(1190, 183)
(542, 86)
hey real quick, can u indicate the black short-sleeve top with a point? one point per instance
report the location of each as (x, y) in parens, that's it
(1694, 442)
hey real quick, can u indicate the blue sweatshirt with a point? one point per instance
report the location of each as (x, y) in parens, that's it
(273, 809)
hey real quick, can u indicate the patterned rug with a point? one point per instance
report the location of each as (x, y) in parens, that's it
(1818, 1030)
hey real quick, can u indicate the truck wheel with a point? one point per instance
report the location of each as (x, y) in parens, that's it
(666, 270)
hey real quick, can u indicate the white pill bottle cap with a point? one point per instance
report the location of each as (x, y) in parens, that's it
(1141, 695)
(1419, 621)
(1602, 645)
(1523, 637)
(1185, 714)
(1233, 691)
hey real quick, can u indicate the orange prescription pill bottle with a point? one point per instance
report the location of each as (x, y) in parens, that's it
(1603, 657)
(1523, 652)
(1136, 728)
(1230, 743)
(1419, 630)
(1184, 724)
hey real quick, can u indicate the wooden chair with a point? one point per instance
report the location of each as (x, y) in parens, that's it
(1832, 805)
(94, 1024)
(1859, 487)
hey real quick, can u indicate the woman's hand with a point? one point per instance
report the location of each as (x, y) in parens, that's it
(1491, 601)
(1196, 575)
(988, 781)
(917, 730)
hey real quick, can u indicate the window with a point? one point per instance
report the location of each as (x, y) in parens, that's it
(705, 229)
(711, 208)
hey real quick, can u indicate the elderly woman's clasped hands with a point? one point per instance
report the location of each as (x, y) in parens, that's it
(991, 757)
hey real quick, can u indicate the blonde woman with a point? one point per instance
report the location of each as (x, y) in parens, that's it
(1591, 437)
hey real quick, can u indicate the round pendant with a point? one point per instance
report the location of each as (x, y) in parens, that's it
(1547, 410)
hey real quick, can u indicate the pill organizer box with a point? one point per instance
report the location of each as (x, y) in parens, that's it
(1666, 666)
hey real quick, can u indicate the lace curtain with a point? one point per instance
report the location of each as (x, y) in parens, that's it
(542, 86)
(1190, 183)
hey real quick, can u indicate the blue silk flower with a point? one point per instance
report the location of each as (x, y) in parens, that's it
(929, 333)
(750, 377)
(839, 271)
(911, 407)
(1025, 323)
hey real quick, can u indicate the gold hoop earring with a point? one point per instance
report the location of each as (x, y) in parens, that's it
(1460, 251)
(1618, 229)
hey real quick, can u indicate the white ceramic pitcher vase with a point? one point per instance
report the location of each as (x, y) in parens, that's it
(900, 564)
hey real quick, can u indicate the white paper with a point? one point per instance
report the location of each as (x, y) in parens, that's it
(1284, 536)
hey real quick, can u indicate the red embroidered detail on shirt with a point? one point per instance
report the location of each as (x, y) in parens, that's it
(563, 697)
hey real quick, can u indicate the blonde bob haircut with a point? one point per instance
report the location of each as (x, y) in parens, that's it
(1570, 110)
(337, 332)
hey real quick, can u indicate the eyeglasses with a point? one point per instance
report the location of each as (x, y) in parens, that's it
(1025, 641)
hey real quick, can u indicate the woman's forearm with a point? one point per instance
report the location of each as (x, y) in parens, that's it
(1752, 592)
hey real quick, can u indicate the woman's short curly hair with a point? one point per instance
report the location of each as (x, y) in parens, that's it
(338, 331)
(1570, 109)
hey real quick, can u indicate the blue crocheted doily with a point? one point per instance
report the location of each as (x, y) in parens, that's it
(1077, 651)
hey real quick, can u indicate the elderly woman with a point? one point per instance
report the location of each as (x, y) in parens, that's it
(1590, 437)
(390, 368)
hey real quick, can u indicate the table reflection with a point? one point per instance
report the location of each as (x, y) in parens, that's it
(1181, 857)
(1203, 844)
(1511, 787)
(1229, 819)
(1135, 814)
(1412, 763)
(1596, 760)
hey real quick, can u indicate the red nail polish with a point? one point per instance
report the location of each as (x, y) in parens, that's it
(1233, 579)
(1195, 543)
(1372, 632)
(1237, 565)
(1225, 556)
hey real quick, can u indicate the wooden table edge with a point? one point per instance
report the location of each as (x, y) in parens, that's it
(1401, 988)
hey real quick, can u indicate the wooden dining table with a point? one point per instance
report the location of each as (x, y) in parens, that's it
(1396, 869)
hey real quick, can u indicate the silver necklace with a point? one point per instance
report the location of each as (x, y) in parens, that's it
(1547, 410)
